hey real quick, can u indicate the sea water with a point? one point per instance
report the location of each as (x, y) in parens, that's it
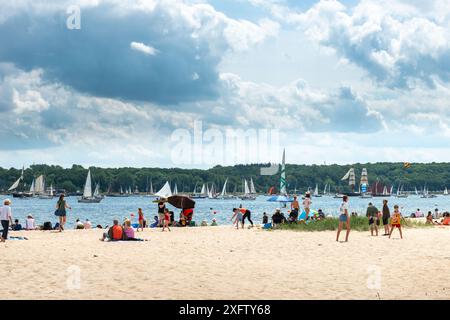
(205, 209)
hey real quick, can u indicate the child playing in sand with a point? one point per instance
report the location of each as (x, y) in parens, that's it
(236, 218)
(166, 220)
(396, 221)
(140, 220)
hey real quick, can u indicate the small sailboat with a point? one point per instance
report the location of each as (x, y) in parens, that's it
(247, 194)
(165, 191)
(316, 192)
(88, 197)
(175, 189)
(223, 195)
(401, 193)
(445, 192)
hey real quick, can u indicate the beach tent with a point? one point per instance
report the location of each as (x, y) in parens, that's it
(312, 213)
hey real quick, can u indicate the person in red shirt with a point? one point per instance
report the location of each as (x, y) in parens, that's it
(140, 220)
(166, 219)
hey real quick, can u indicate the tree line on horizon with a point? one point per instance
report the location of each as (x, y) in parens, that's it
(435, 176)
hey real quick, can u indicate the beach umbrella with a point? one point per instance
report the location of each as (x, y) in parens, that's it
(181, 202)
(276, 198)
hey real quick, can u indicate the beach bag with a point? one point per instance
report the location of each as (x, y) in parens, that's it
(47, 225)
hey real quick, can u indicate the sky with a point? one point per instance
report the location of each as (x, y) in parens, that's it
(162, 83)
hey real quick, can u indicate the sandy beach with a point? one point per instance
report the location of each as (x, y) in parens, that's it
(223, 263)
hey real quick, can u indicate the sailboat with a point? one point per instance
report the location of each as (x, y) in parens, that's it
(203, 193)
(247, 193)
(316, 192)
(252, 187)
(97, 192)
(364, 184)
(175, 189)
(400, 193)
(282, 197)
(165, 191)
(350, 176)
(223, 195)
(417, 192)
(445, 192)
(47, 194)
(88, 197)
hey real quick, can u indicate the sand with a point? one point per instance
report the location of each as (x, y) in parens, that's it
(223, 263)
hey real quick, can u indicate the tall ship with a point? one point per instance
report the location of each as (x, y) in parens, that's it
(364, 185)
(18, 188)
(350, 176)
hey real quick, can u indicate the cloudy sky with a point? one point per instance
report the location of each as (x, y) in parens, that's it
(340, 81)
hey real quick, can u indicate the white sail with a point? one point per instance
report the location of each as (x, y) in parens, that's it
(392, 189)
(283, 189)
(364, 177)
(417, 192)
(224, 189)
(350, 175)
(87, 193)
(97, 190)
(15, 184)
(51, 190)
(151, 187)
(32, 187)
(203, 191)
(175, 189)
(121, 190)
(246, 189)
(325, 189)
(252, 187)
(385, 190)
(165, 191)
(39, 185)
(316, 191)
(446, 191)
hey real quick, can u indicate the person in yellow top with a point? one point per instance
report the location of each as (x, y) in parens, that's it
(396, 221)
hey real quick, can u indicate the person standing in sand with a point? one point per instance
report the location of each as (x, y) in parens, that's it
(237, 217)
(386, 216)
(166, 220)
(307, 204)
(6, 219)
(343, 218)
(161, 210)
(372, 214)
(140, 220)
(396, 221)
(60, 212)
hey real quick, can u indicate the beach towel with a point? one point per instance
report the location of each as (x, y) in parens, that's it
(267, 226)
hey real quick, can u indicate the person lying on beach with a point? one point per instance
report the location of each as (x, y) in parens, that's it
(236, 218)
(396, 221)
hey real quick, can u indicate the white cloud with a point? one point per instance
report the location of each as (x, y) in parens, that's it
(146, 49)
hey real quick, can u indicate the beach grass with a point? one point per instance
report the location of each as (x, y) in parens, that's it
(356, 223)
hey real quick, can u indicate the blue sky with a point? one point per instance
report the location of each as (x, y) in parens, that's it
(341, 81)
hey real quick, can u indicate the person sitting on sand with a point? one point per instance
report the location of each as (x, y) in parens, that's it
(79, 225)
(293, 216)
(396, 221)
(446, 219)
(115, 233)
(277, 218)
(155, 224)
(320, 215)
(16, 226)
(265, 218)
(430, 219)
(30, 223)
(128, 232)
(214, 223)
(87, 224)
